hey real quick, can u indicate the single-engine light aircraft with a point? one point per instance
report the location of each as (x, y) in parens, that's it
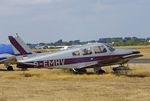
(94, 55)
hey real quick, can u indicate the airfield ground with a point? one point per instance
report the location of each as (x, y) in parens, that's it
(61, 85)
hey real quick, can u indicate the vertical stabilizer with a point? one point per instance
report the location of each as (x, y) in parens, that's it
(21, 50)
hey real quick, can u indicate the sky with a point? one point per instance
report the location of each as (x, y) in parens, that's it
(51, 20)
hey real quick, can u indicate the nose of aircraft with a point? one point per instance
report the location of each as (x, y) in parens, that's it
(129, 52)
(136, 52)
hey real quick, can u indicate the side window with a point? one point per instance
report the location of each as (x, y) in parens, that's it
(87, 51)
(99, 49)
(104, 50)
(76, 53)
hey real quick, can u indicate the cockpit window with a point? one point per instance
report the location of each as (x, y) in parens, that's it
(99, 49)
(76, 53)
(110, 48)
(87, 51)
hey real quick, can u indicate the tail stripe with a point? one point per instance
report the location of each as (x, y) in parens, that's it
(17, 45)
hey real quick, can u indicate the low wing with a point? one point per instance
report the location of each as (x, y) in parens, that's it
(118, 59)
(88, 64)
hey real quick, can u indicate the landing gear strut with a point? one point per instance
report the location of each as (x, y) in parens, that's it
(79, 71)
(98, 70)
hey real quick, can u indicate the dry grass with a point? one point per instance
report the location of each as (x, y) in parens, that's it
(60, 85)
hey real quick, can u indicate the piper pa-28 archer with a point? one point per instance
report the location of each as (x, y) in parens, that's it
(94, 55)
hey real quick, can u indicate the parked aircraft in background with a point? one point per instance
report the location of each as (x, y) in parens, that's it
(95, 55)
(6, 53)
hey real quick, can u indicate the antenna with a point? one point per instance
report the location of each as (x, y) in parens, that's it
(17, 34)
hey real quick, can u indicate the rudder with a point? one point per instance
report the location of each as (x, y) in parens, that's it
(21, 50)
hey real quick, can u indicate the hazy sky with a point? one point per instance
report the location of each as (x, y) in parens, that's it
(51, 20)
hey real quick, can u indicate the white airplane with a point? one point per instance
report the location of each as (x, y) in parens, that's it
(95, 55)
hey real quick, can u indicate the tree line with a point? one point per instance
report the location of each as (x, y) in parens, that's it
(117, 41)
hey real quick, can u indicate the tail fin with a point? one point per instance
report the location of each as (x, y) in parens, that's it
(21, 50)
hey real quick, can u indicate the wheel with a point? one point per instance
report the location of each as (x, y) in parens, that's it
(100, 71)
(83, 71)
(79, 71)
(10, 68)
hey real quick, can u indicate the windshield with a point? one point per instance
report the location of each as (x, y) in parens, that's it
(110, 48)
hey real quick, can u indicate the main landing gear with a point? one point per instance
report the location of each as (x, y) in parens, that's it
(98, 70)
(79, 71)
(8, 66)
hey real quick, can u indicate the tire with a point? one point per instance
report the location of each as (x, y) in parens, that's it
(79, 71)
(100, 71)
(10, 68)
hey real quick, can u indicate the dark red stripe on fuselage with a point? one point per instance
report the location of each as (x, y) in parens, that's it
(88, 59)
(17, 45)
(69, 61)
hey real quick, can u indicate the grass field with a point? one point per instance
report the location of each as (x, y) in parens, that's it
(61, 85)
